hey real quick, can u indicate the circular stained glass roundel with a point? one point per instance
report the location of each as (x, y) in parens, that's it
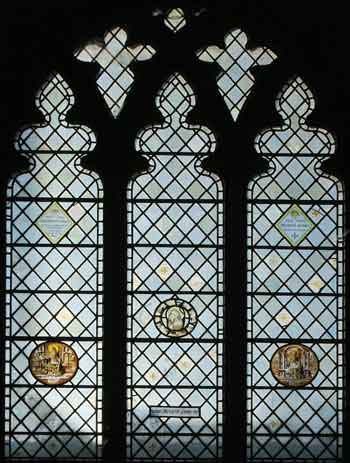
(175, 318)
(53, 363)
(294, 365)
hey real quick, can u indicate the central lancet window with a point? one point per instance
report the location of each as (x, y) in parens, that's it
(175, 287)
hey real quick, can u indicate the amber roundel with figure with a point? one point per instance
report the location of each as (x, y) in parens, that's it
(53, 363)
(294, 365)
(175, 318)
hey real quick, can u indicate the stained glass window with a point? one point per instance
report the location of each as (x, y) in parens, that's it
(53, 395)
(175, 287)
(295, 292)
(178, 375)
